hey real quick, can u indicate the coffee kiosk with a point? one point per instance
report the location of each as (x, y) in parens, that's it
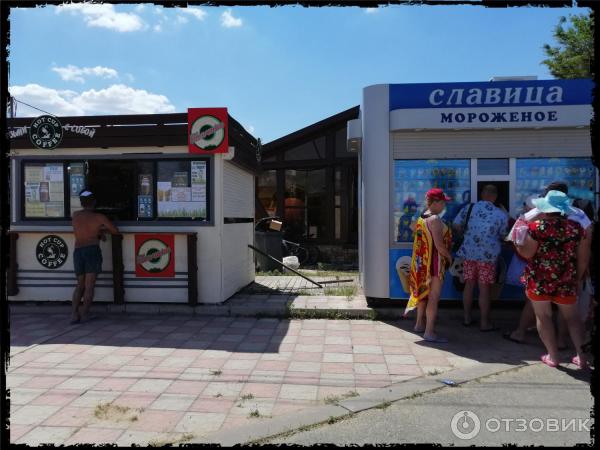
(180, 188)
(518, 134)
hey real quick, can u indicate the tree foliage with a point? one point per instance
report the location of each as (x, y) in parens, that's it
(573, 57)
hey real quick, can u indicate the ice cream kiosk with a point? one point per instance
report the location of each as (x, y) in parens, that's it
(180, 188)
(516, 133)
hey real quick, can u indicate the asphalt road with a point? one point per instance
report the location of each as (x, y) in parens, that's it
(536, 404)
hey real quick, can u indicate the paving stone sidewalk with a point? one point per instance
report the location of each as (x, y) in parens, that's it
(143, 379)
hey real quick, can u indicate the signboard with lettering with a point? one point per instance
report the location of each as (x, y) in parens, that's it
(207, 130)
(155, 255)
(496, 104)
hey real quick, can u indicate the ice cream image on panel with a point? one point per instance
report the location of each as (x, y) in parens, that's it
(403, 269)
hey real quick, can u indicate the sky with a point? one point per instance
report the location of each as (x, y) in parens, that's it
(277, 70)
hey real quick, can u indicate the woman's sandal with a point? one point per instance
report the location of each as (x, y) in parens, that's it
(578, 363)
(546, 360)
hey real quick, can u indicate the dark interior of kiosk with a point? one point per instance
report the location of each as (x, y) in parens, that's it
(114, 185)
(503, 192)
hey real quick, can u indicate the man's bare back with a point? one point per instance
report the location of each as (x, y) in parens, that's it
(88, 226)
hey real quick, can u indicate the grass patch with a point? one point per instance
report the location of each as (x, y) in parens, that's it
(254, 414)
(216, 373)
(116, 413)
(161, 443)
(384, 405)
(434, 372)
(218, 395)
(342, 291)
(413, 396)
(247, 397)
(271, 273)
(331, 399)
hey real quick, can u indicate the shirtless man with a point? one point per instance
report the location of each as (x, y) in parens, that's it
(89, 227)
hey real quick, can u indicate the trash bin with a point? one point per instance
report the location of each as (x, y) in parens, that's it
(270, 243)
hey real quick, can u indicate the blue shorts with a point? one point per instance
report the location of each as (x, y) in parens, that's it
(87, 260)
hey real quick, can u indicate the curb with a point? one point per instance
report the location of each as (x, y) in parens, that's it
(291, 423)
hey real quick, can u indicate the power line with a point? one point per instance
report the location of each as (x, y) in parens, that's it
(34, 107)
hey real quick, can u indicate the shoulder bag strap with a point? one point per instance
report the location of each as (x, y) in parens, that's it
(468, 217)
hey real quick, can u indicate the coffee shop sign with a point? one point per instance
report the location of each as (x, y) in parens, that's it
(78, 129)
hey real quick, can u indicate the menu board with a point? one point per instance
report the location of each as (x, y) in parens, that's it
(184, 195)
(44, 190)
(534, 174)
(412, 180)
(76, 184)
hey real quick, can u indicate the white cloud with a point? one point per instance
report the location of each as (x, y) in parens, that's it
(250, 129)
(371, 10)
(104, 16)
(157, 28)
(140, 8)
(74, 73)
(198, 13)
(182, 19)
(116, 99)
(228, 21)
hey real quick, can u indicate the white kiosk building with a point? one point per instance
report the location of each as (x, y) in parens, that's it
(519, 134)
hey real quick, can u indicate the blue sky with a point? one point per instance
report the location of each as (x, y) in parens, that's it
(276, 69)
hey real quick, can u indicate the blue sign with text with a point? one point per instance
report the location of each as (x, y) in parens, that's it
(491, 94)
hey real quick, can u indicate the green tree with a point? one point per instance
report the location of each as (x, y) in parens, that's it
(574, 55)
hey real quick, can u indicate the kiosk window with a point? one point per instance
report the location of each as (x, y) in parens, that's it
(534, 174)
(413, 178)
(181, 189)
(491, 166)
(126, 190)
(44, 190)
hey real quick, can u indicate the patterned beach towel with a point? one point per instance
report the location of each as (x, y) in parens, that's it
(420, 268)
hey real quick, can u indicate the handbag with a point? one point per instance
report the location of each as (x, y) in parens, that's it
(460, 238)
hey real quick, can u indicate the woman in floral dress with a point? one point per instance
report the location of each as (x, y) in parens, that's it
(554, 272)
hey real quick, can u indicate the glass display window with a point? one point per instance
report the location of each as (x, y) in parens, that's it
(44, 190)
(182, 189)
(125, 190)
(534, 174)
(412, 180)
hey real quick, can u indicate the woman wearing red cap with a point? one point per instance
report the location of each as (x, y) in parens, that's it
(431, 256)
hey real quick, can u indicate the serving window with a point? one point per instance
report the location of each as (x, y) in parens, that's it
(125, 190)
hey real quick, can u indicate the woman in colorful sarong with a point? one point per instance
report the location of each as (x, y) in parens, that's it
(431, 256)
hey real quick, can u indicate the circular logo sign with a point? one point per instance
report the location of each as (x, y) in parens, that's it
(207, 133)
(465, 425)
(46, 132)
(51, 252)
(154, 255)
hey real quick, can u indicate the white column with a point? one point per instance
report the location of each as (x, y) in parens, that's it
(375, 172)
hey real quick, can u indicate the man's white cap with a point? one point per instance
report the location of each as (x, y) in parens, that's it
(85, 194)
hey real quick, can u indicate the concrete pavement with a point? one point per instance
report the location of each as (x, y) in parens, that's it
(231, 374)
(532, 405)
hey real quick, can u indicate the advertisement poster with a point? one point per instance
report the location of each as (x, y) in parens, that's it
(145, 184)
(180, 179)
(399, 269)
(55, 209)
(35, 209)
(198, 193)
(155, 255)
(34, 174)
(77, 185)
(53, 173)
(413, 178)
(145, 206)
(198, 172)
(208, 130)
(533, 175)
(179, 194)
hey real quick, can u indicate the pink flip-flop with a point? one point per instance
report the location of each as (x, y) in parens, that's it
(546, 360)
(578, 363)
